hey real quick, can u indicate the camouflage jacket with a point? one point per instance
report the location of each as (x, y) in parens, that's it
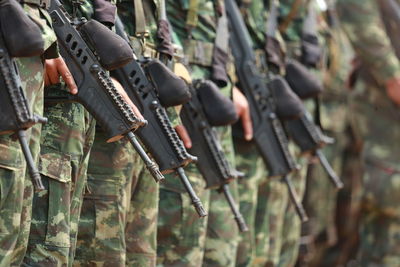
(40, 16)
(364, 25)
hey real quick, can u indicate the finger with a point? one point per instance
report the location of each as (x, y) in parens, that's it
(247, 124)
(67, 76)
(46, 80)
(183, 134)
(52, 72)
(127, 99)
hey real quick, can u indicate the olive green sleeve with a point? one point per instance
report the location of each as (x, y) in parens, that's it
(362, 22)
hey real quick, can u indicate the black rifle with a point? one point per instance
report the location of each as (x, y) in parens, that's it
(96, 90)
(269, 136)
(15, 115)
(158, 136)
(310, 138)
(212, 162)
(303, 130)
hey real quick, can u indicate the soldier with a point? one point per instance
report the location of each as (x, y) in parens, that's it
(265, 202)
(321, 232)
(16, 187)
(248, 160)
(118, 223)
(183, 239)
(65, 146)
(374, 108)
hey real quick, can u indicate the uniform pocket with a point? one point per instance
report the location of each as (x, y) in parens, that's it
(51, 208)
(10, 154)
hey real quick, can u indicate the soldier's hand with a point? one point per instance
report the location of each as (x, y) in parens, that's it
(125, 96)
(243, 111)
(393, 90)
(56, 67)
(183, 134)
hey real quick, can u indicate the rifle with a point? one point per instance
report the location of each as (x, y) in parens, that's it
(15, 115)
(212, 162)
(269, 136)
(159, 137)
(303, 130)
(96, 90)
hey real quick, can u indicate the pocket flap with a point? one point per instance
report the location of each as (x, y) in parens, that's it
(10, 155)
(56, 166)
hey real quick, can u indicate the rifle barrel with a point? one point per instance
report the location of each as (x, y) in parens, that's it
(33, 171)
(295, 199)
(236, 212)
(328, 168)
(192, 194)
(150, 164)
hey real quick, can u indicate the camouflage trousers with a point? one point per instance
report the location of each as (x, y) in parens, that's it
(141, 220)
(101, 238)
(319, 233)
(15, 186)
(65, 147)
(279, 246)
(183, 238)
(284, 224)
(181, 233)
(251, 164)
(222, 236)
(380, 223)
(118, 218)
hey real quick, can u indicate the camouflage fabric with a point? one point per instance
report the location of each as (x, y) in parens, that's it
(249, 162)
(119, 216)
(291, 230)
(142, 216)
(102, 222)
(371, 111)
(181, 234)
(271, 209)
(15, 185)
(334, 121)
(201, 241)
(65, 146)
(222, 232)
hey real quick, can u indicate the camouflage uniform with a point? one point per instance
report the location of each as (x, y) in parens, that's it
(15, 185)
(119, 216)
(183, 238)
(277, 228)
(247, 158)
(65, 145)
(375, 118)
(321, 231)
(265, 202)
